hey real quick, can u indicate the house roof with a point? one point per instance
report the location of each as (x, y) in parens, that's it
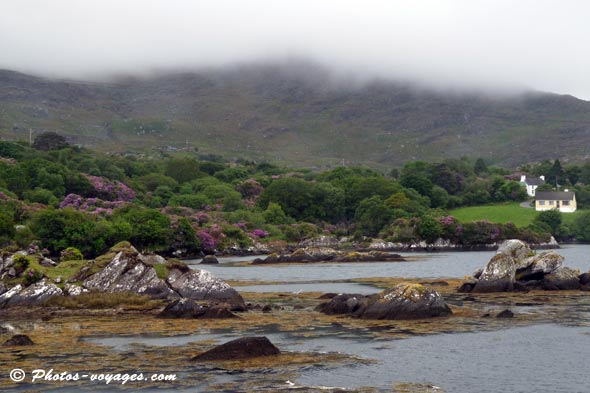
(555, 196)
(535, 181)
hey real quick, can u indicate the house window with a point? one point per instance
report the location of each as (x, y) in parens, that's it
(541, 203)
(566, 203)
(552, 202)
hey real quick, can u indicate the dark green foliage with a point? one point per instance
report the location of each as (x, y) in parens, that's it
(50, 141)
(372, 215)
(150, 229)
(183, 170)
(185, 237)
(480, 167)
(71, 254)
(551, 218)
(429, 229)
(7, 231)
(582, 226)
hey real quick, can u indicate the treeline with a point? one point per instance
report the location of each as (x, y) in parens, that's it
(66, 196)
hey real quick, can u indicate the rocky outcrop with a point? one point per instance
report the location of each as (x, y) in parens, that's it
(404, 301)
(202, 285)
(241, 348)
(33, 294)
(326, 254)
(18, 340)
(128, 273)
(515, 267)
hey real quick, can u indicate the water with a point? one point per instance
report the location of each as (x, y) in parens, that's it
(337, 287)
(422, 265)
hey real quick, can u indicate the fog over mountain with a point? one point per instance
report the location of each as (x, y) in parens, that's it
(495, 46)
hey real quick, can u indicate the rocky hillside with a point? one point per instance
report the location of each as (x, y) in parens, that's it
(296, 115)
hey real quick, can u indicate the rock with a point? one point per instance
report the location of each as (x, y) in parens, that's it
(477, 273)
(188, 308)
(562, 278)
(328, 295)
(539, 265)
(321, 241)
(152, 259)
(58, 280)
(202, 285)
(3, 287)
(12, 272)
(128, 273)
(241, 348)
(35, 294)
(18, 340)
(516, 249)
(505, 314)
(466, 287)
(209, 260)
(48, 262)
(584, 279)
(404, 301)
(74, 290)
(499, 274)
(9, 294)
(326, 254)
(182, 308)
(267, 308)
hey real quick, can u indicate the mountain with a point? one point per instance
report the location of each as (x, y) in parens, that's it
(296, 114)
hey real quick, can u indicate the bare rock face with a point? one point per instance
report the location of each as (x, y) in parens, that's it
(209, 260)
(128, 273)
(241, 348)
(33, 294)
(539, 265)
(203, 285)
(404, 301)
(562, 278)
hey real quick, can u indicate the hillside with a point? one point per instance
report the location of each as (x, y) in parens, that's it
(296, 115)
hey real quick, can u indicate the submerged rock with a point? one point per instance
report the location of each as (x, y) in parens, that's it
(18, 340)
(241, 348)
(404, 301)
(505, 314)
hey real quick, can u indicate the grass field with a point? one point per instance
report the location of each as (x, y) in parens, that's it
(502, 213)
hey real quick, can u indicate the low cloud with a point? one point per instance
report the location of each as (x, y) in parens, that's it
(492, 45)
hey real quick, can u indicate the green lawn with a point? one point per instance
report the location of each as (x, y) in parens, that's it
(502, 213)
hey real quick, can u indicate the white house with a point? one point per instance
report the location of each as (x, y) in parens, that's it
(532, 184)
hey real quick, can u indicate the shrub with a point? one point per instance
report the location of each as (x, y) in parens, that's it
(71, 254)
(32, 276)
(21, 263)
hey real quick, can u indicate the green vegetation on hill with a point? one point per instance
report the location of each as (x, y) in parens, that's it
(498, 213)
(294, 115)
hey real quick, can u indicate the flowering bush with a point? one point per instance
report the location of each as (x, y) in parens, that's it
(111, 190)
(208, 242)
(32, 276)
(90, 205)
(71, 254)
(259, 233)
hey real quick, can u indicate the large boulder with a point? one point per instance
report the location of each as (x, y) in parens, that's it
(241, 348)
(203, 285)
(127, 272)
(18, 340)
(209, 260)
(33, 294)
(404, 301)
(499, 274)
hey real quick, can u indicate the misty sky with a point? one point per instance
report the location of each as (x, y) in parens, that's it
(497, 44)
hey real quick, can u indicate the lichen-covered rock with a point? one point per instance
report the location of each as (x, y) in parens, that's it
(128, 273)
(536, 266)
(3, 287)
(152, 259)
(203, 285)
(74, 290)
(34, 294)
(241, 348)
(498, 275)
(9, 294)
(404, 301)
(326, 254)
(188, 308)
(516, 249)
(562, 278)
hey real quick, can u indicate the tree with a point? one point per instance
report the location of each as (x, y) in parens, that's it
(429, 229)
(372, 215)
(150, 229)
(7, 231)
(556, 174)
(582, 226)
(480, 167)
(550, 217)
(50, 141)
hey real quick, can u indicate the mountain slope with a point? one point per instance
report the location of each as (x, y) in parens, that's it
(296, 115)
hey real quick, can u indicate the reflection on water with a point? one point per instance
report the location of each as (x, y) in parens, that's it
(340, 287)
